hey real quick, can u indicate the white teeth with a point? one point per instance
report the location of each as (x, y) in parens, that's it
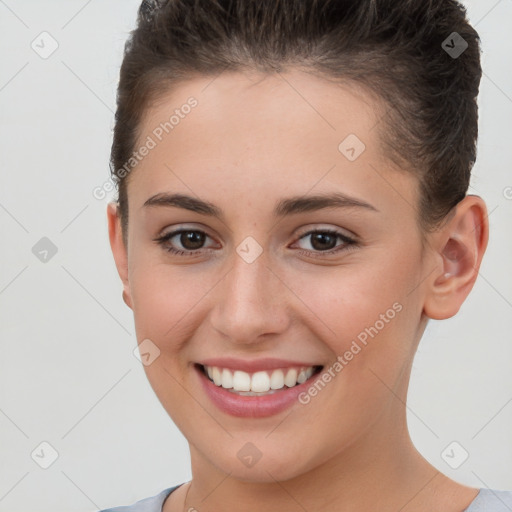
(291, 378)
(258, 382)
(241, 381)
(277, 379)
(227, 379)
(217, 377)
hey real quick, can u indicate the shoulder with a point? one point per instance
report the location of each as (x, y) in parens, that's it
(152, 504)
(491, 500)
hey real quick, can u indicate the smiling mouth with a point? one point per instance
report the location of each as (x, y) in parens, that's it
(261, 382)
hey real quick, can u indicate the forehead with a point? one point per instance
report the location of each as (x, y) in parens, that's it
(263, 133)
(306, 105)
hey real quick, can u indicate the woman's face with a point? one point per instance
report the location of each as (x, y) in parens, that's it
(254, 292)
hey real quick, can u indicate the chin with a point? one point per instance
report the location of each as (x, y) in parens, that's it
(272, 465)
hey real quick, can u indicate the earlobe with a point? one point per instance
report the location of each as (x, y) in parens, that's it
(119, 251)
(462, 243)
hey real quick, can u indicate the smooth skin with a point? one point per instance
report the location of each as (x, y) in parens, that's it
(251, 141)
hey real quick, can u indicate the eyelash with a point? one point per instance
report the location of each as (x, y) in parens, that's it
(349, 243)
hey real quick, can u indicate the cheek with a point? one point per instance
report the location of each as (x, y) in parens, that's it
(364, 312)
(350, 298)
(163, 296)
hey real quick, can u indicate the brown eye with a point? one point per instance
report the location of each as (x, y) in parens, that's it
(191, 240)
(324, 242)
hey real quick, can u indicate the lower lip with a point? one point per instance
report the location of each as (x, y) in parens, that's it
(251, 406)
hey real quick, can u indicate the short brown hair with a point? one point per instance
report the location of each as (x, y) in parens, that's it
(394, 48)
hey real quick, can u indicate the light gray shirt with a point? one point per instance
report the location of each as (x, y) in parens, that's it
(487, 500)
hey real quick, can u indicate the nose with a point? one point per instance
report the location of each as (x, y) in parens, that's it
(251, 301)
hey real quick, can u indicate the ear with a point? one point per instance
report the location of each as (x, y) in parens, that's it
(460, 245)
(119, 250)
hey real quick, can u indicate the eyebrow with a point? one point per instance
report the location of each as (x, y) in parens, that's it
(284, 207)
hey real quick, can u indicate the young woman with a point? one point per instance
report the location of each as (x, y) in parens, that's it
(292, 211)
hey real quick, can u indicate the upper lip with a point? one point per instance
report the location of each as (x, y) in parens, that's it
(254, 365)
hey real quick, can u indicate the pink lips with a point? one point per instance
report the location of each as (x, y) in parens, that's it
(252, 406)
(251, 366)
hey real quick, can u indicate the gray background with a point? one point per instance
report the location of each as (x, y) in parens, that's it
(68, 375)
